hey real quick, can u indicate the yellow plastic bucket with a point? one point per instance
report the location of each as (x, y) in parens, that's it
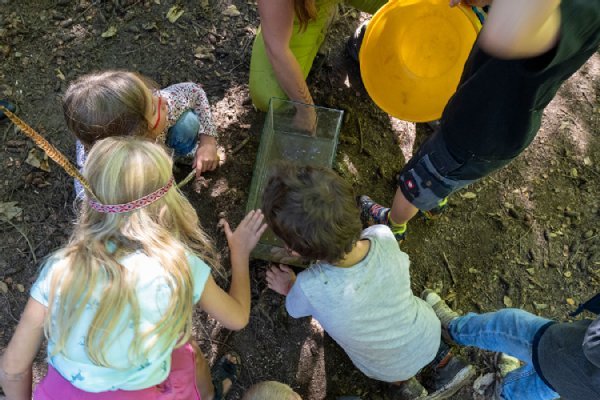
(413, 54)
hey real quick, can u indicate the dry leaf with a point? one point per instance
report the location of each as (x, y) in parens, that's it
(149, 26)
(205, 53)
(174, 13)
(9, 210)
(20, 287)
(38, 159)
(59, 74)
(3, 287)
(468, 195)
(110, 32)
(508, 302)
(231, 11)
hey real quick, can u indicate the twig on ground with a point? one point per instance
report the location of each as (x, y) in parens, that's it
(449, 267)
(31, 249)
(360, 136)
(187, 179)
(240, 145)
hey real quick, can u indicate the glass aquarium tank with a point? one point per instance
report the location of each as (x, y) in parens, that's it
(282, 140)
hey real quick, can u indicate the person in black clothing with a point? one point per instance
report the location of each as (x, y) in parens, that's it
(560, 359)
(524, 52)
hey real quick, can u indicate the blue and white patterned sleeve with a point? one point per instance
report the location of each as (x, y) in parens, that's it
(182, 97)
(80, 157)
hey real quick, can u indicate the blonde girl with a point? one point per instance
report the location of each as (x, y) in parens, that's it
(124, 103)
(116, 302)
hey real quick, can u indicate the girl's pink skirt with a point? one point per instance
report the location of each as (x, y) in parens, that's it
(180, 384)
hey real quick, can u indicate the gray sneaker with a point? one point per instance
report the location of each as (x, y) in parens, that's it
(444, 313)
(408, 390)
(449, 379)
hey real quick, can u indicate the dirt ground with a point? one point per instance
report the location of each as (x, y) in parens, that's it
(527, 237)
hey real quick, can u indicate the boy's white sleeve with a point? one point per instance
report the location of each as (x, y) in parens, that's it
(296, 302)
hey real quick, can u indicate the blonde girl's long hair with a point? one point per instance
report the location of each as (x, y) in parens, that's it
(120, 170)
(306, 11)
(107, 103)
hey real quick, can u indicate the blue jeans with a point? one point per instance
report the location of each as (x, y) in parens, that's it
(183, 136)
(509, 331)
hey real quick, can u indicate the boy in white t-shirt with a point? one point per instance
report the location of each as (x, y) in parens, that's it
(359, 287)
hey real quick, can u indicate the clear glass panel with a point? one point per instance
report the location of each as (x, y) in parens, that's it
(282, 141)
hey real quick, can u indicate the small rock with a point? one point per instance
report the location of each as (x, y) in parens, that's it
(514, 213)
(574, 172)
(540, 306)
(66, 23)
(20, 288)
(483, 382)
(133, 29)
(571, 214)
(3, 287)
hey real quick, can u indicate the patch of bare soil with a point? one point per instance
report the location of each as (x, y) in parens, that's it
(525, 237)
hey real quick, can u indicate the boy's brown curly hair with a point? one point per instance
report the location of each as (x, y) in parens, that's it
(312, 210)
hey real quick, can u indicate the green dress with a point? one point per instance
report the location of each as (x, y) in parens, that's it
(304, 45)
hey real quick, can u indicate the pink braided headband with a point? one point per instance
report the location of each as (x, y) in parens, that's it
(132, 205)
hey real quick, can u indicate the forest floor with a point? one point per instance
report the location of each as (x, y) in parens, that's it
(527, 236)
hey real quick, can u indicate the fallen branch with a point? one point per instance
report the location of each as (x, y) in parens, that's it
(31, 249)
(449, 267)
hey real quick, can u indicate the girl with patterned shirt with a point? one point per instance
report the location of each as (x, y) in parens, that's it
(123, 103)
(116, 302)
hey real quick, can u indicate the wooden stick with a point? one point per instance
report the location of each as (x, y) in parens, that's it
(447, 263)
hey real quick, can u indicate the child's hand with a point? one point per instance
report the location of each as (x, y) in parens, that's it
(305, 120)
(246, 236)
(207, 158)
(281, 278)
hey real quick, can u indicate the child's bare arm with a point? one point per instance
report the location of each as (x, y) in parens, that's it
(207, 158)
(15, 364)
(521, 29)
(233, 309)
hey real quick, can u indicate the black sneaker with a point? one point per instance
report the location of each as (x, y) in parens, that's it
(450, 378)
(9, 106)
(374, 213)
(355, 41)
(408, 390)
